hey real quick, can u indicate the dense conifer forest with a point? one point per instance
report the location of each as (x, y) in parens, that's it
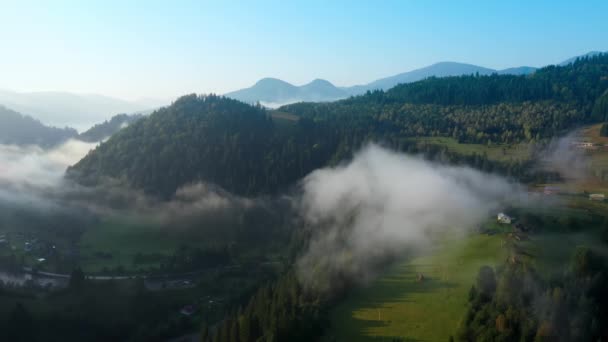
(247, 150)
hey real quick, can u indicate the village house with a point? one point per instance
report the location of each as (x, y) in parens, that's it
(597, 197)
(503, 218)
(583, 144)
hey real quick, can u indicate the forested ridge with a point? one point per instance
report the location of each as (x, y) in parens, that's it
(481, 109)
(515, 304)
(19, 129)
(107, 128)
(246, 151)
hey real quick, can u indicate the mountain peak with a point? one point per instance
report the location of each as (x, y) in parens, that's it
(272, 81)
(273, 91)
(320, 81)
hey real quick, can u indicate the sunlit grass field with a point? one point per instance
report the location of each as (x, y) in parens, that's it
(501, 152)
(397, 305)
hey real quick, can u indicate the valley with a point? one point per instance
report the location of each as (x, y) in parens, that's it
(400, 306)
(376, 217)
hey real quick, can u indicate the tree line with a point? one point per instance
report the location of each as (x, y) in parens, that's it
(246, 151)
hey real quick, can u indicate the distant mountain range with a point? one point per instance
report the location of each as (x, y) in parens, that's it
(227, 143)
(68, 109)
(273, 92)
(81, 111)
(20, 129)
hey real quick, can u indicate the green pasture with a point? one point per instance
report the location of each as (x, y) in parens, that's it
(399, 306)
(500, 152)
(115, 243)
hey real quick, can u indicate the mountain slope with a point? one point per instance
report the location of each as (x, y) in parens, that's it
(587, 55)
(274, 91)
(321, 90)
(197, 138)
(19, 129)
(244, 150)
(441, 69)
(107, 128)
(522, 70)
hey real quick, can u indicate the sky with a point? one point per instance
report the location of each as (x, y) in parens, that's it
(161, 49)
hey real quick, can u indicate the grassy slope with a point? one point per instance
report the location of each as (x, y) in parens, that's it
(398, 306)
(123, 241)
(494, 152)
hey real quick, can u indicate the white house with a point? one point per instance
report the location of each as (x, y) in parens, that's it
(504, 218)
(597, 197)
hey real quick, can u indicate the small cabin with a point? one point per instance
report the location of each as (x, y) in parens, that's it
(597, 197)
(583, 145)
(504, 218)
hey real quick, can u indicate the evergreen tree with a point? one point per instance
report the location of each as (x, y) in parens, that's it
(77, 279)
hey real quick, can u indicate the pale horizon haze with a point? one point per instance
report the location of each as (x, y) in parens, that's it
(159, 49)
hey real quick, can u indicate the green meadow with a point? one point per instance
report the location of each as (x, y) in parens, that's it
(400, 306)
(499, 152)
(112, 243)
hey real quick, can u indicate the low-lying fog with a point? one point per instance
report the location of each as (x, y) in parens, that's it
(357, 213)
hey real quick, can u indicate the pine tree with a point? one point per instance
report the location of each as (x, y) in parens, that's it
(234, 331)
(204, 332)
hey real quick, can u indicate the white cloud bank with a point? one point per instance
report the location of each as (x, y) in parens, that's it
(382, 202)
(34, 177)
(30, 166)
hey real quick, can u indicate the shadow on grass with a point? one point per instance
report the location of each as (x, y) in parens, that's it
(397, 288)
(390, 289)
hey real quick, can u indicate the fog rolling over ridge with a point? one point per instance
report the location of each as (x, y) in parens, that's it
(375, 205)
(22, 166)
(383, 202)
(562, 155)
(34, 178)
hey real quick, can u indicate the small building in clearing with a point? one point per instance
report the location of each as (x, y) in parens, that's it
(597, 197)
(583, 145)
(504, 218)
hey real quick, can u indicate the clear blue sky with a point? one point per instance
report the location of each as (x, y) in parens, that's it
(134, 49)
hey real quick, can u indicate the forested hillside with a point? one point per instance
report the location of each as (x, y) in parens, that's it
(18, 129)
(246, 151)
(481, 109)
(107, 128)
(206, 138)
